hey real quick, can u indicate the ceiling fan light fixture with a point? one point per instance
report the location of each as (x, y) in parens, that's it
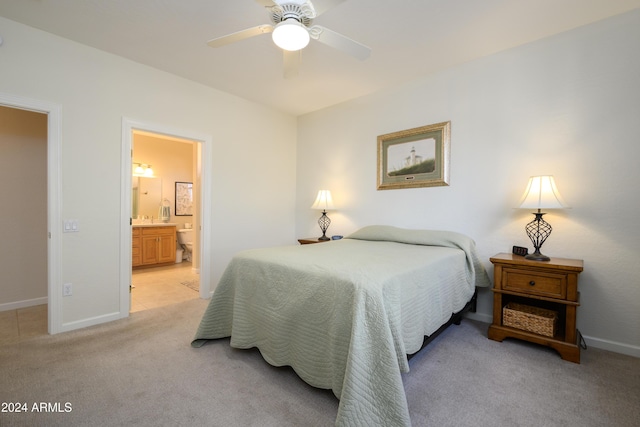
(290, 35)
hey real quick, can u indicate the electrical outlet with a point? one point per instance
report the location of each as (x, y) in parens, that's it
(67, 290)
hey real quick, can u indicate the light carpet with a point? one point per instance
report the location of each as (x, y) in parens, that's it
(142, 371)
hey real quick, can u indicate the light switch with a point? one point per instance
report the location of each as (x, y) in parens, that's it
(71, 226)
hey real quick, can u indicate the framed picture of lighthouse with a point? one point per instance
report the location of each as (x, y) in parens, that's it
(416, 157)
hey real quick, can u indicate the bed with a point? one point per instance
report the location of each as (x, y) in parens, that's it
(345, 314)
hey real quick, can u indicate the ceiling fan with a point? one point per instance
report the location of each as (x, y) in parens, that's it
(291, 28)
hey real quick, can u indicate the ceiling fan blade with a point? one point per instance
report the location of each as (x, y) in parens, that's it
(240, 35)
(321, 6)
(291, 63)
(266, 3)
(340, 42)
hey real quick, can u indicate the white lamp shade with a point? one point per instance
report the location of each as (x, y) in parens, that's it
(323, 201)
(542, 193)
(290, 35)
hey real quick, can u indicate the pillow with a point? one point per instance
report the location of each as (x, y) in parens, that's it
(387, 233)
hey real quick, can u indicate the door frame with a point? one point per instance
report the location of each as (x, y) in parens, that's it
(203, 169)
(54, 196)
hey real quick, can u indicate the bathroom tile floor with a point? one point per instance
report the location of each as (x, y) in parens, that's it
(23, 323)
(153, 288)
(160, 286)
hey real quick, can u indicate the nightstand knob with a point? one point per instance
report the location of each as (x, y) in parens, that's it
(532, 283)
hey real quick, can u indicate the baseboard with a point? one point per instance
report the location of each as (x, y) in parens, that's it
(602, 344)
(480, 317)
(92, 321)
(23, 304)
(616, 347)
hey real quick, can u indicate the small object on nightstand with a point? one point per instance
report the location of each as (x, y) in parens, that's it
(519, 250)
(336, 237)
(537, 302)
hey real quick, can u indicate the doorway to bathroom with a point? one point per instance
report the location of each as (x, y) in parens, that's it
(164, 183)
(176, 157)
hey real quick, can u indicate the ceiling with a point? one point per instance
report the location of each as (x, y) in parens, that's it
(408, 38)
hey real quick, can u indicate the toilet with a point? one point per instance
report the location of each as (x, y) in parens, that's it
(185, 239)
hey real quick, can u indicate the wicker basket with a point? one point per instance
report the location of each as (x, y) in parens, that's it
(532, 319)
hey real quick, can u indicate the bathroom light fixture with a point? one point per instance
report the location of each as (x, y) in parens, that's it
(541, 193)
(141, 169)
(323, 202)
(290, 35)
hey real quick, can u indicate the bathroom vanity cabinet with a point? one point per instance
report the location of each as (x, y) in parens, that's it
(151, 246)
(136, 247)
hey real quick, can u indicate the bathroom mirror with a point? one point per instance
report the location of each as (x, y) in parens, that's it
(146, 196)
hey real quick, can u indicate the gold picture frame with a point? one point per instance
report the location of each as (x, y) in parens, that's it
(417, 157)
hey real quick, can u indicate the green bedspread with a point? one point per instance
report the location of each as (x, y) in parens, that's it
(345, 314)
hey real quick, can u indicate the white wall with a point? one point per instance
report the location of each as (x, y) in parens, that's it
(253, 202)
(567, 105)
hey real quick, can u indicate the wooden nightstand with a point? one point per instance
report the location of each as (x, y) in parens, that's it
(551, 285)
(310, 240)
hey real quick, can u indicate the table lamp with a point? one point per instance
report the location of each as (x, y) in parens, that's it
(323, 202)
(541, 193)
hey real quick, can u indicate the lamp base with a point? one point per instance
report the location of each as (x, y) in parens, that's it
(537, 256)
(324, 222)
(538, 230)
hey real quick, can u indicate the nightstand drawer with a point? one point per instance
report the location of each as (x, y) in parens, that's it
(535, 283)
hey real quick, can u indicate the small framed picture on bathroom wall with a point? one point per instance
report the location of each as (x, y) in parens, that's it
(184, 199)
